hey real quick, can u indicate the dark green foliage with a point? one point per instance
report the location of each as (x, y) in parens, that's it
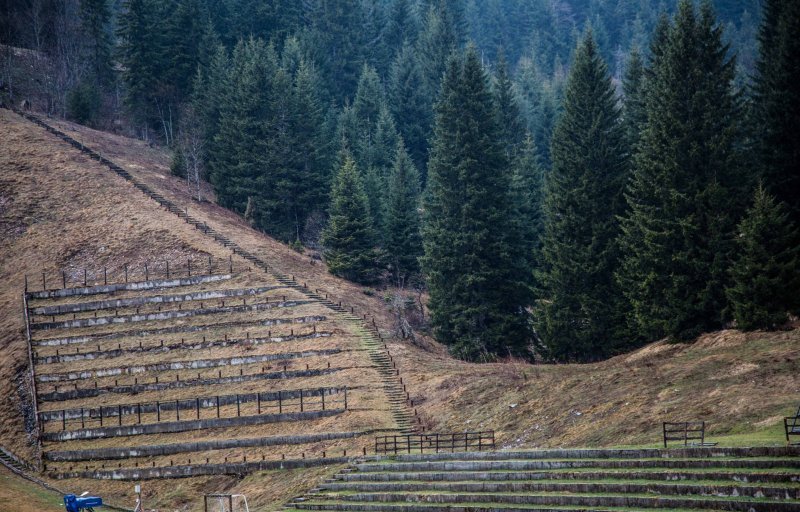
(349, 239)
(766, 273)
(578, 316)
(268, 146)
(240, 153)
(335, 39)
(687, 187)
(403, 242)
(509, 118)
(83, 103)
(527, 187)
(178, 165)
(634, 116)
(473, 253)
(141, 57)
(411, 105)
(777, 103)
(402, 25)
(95, 22)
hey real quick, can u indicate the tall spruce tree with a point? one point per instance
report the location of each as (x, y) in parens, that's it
(766, 271)
(777, 102)
(140, 56)
(473, 254)
(95, 22)
(633, 112)
(411, 105)
(349, 238)
(509, 118)
(240, 149)
(528, 190)
(686, 189)
(579, 310)
(403, 241)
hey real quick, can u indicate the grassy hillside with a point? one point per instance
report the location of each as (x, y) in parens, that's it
(61, 210)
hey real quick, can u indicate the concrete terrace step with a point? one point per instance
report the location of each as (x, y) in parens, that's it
(602, 486)
(527, 465)
(776, 475)
(346, 502)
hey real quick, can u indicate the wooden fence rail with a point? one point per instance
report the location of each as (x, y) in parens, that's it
(433, 442)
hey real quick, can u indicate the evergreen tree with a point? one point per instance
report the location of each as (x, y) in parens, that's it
(335, 41)
(140, 56)
(401, 27)
(634, 116)
(410, 105)
(686, 189)
(240, 153)
(527, 185)
(403, 242)
(349, 239)
(509, 118)
(579, 311)
(95, 21)
(766, 272)
(473, 252)
(777, 102)
(184, 32)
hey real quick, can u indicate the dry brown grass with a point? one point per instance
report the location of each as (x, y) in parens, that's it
(59, 209)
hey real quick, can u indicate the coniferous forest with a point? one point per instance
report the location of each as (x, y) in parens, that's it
(563, 180)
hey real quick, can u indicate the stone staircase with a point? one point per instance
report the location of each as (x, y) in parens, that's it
(737, 479)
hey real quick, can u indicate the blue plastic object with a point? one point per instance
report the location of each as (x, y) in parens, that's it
(76, 504)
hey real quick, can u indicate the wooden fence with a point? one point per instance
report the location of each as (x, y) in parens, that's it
(419, 443)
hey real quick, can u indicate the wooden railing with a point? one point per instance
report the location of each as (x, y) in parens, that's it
(689, 432)
(791, 424)
(419, 443)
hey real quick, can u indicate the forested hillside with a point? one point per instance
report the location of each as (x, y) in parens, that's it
(565, 180)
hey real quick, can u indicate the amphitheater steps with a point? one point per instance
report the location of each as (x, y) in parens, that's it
(736, 479)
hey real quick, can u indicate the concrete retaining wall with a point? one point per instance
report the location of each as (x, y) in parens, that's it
(171, 427)
(187, 404)
(182, 365)
(230, 342)
(139, 285)
(199, 469)
(74, 394)
(175, 448)
(157, 299)
(73, 340)
(163, 315)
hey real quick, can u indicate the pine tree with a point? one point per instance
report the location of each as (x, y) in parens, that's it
(240, 154)
(686, 189)
(633, 114)
(349, 239)
(527, 185)
(473, 252)
(183, 33)
(95, 21)
(401, 27)
(509, 118)
(766, 273)
(403, 241)
(777, 102)
(579, 311)
(141, 56)
(410, 105)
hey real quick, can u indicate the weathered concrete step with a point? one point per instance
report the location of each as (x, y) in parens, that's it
(579, 500)
(169, 427)
(788, 476)
(421, 507)
(596, 487)
(612, 453)
(527, 465)
(139, 285)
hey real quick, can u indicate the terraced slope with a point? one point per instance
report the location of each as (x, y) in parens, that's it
(187, 375)
(744, 479)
